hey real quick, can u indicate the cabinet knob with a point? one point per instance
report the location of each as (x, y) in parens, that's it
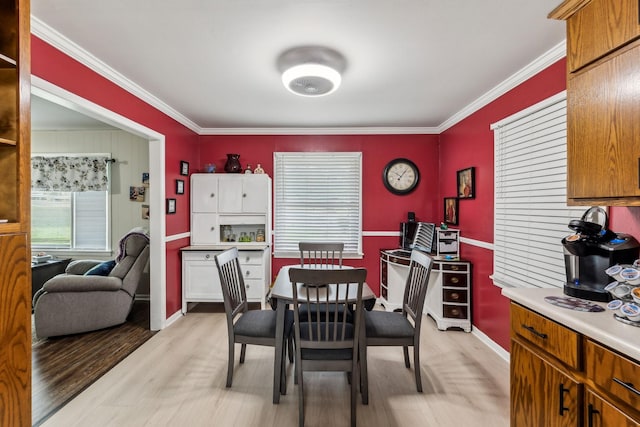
(248, 273)
(207, 256)
(213, 195)
(455, 268)
(213, 228)
(455, 296)
(248, 259)
(454, 280)
(244, 194)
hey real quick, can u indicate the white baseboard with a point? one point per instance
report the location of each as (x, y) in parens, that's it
(173, 318)
(504, 354)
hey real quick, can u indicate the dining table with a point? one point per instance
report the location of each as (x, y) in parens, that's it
(281, 296)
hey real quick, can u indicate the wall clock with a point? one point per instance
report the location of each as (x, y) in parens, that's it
(400, 176)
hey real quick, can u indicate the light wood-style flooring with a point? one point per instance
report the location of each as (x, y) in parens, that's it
(177, 378)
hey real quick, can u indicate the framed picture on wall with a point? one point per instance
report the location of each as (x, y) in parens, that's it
(184, 168)
(451, 210)
(179, 186)
(171, 206)
(466, 183)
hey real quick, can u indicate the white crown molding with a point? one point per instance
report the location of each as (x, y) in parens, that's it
(60, 42)
(322, 131)
(548, 58)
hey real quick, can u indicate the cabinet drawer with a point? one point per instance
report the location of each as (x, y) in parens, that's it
(455, 311)
(555, 339)
(204, 229)
(454, 267)
(453, 279)
(617, 375)
(445, 246)
(454, 295)
(252, 272)
(250, 257)
(200, 256)
(600, 412)
(254, 288)
(599, 28)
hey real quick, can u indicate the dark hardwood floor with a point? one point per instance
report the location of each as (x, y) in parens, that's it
(62, 367)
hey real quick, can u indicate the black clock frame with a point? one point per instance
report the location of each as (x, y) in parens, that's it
(385, 178)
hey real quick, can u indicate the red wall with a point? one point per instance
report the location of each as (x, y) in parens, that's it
(181, 143)
(381, 210)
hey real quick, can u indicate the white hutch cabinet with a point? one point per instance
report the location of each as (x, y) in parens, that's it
(228, 210)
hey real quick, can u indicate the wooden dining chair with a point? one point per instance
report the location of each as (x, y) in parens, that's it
(329, 342)
(385, 328)
(244, 326)
(321, 254)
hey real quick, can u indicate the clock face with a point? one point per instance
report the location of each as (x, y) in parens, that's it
(400, 176)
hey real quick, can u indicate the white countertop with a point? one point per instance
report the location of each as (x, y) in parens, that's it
(222, 247)
(602, 327)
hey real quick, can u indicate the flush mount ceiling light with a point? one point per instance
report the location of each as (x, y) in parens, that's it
(311, 70)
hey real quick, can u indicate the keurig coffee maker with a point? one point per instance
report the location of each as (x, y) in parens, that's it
(590, 251)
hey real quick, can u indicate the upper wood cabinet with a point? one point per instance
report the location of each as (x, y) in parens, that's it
(15, 252)
(603, 133)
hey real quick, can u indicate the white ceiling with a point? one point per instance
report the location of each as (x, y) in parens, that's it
(212, 63)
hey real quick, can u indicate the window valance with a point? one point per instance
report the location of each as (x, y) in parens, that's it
(69, 173)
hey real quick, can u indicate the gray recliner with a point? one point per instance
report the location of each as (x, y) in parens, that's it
(73, 302)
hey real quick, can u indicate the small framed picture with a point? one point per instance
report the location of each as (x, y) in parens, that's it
(466, 183)
(136, 194)
(179, 186)
(145, 211)
(171, 206)
(145, 179)
(451, 210)
(184, 168)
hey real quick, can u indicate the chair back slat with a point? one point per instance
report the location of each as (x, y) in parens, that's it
(321, 254)
(332, 290)
(232, 282)
(416, 285)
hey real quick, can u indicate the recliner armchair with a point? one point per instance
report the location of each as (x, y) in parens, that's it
(73, 302)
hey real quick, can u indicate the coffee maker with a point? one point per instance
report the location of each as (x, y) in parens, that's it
(590, 251)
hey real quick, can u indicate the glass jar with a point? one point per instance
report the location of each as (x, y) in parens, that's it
(260, 235)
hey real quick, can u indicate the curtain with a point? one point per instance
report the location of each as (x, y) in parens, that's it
(69, 173)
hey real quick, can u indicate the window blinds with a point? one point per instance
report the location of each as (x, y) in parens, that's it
(317, 197)
(531, 214)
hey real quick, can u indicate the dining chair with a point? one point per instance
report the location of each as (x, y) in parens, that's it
(321, 254)
(329, 342)
(383, 328)
(244, 326)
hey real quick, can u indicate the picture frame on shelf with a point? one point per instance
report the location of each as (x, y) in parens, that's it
(179, 186)
(466, 183)
(171, 206)
(451, 210)
(184, 168)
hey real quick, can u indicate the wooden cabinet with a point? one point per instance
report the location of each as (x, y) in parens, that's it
(560, 377)
(201, 282)
(15, 252)
(603, 134)
(448, 299)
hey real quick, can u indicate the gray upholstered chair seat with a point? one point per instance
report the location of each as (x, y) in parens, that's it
(261, 323)
(384, 324)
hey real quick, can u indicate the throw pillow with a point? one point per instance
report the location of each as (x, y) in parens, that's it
(102, 269)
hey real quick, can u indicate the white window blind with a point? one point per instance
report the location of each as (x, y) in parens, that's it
(531, 214)
(317, 197)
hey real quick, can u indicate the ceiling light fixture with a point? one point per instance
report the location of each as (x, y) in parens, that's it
(311, 70)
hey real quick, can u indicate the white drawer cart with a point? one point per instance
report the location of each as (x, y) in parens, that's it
(448, 299)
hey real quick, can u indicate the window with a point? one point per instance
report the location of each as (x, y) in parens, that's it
(531, 214)
(318, 197)
(69, 220)
(70, 202)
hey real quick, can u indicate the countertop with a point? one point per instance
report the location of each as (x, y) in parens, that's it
(244, 246)
(601, 327)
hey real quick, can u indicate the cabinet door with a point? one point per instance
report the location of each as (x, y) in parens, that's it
(202, 282)
(255, 194)
(541, 395)
(230, 188)
(598, 28)
(603, 130)
(600, 413)
(204, 193)
(204, 229)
